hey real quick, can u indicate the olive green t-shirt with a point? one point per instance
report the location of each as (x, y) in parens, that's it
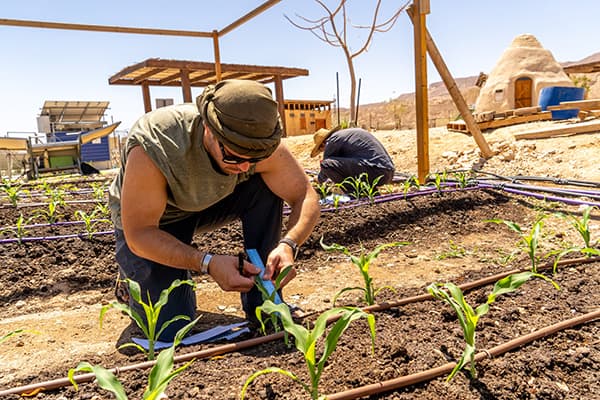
(173, 138)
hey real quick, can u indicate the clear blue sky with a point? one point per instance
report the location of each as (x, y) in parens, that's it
(47, 64)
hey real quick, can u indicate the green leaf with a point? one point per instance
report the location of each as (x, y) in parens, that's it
(106, 379)
(265, 371)
(509, 284)
(348, 289)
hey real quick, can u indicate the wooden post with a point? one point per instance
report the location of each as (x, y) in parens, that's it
(185, 86)
(421, 98)
(280, 102)
(217, 55)
(146, 97)
(450, 83)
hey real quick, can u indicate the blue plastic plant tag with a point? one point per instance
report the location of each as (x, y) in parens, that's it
(255, 259)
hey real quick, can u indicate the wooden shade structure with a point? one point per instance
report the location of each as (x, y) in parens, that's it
(188, 74)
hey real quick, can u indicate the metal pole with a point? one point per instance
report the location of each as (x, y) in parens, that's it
(337, 100)
(357, 102)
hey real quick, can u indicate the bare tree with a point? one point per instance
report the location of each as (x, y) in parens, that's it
(333, 30)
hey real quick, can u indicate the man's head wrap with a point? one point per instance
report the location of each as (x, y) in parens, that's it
(242, 115)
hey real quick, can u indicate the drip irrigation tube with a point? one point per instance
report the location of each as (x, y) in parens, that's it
(432, 373)
(24, 205)
(222, 349)
(207, 353)
(558, 181)
(546, 197)
(524, 190)
(595, 194)
(63, 223)
(38, 238)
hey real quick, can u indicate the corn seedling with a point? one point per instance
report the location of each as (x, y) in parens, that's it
(468, 318)
(370, 188)
(463, 179)
(455, 251)
(11, 191)
(413, 181)
(90, 221)
(504, 258)
(43, 186)
(324, 189)
(98, 192)
(583, 228)
(306, 341)
(437, 180)
(531, 242)
(363, 262)
(530, 239)
(50, 213)
(152, 312)
(352, 185)
(161, 374)
(19, 229)
(386, 189)
(271, 297)
(57, 196)
(103, 209)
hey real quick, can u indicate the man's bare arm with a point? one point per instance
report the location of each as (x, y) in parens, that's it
(143, 201)
(285, 177)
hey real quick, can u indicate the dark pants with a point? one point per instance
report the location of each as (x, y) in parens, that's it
(260, 211)
(339, 168)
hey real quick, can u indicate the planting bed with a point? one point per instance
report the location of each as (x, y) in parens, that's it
(449, 242)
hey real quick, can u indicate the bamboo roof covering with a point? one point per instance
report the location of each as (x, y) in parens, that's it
(161, 72)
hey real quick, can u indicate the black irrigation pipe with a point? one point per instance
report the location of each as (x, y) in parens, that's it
(558, 181)
(543, 196)
(568, 192)
(244, 344)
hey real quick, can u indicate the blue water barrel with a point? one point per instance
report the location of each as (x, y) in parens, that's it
(553, 95)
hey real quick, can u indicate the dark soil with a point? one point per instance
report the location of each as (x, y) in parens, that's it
(443, 231)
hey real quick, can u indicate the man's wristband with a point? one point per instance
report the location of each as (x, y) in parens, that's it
(292, 244)
(205, 261)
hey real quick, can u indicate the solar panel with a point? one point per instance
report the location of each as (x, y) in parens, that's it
(65, 112)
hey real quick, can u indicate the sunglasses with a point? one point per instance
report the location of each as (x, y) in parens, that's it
(228, 158)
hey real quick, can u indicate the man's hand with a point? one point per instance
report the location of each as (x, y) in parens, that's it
(224, 270)
(278, 259)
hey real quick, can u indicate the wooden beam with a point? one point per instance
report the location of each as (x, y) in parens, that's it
(517, 119)
(263, 7)
(102, 28)
(173, 77)
(454, 91)
(591, 104)
(217, 52)
(201, 77)
(421, 99)
(143, 76)
(584, 127)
